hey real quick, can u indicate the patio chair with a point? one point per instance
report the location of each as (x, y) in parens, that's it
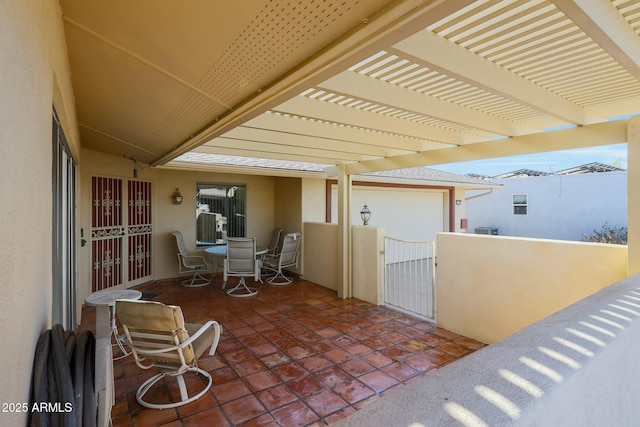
(159, 338)
(241, 262)
(273, 246)
(192, 262)
(288, 257)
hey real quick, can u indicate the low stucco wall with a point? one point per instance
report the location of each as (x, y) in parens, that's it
(321, 259)
(577, 367)
(492, 286)
(320, 246)
(368, 264)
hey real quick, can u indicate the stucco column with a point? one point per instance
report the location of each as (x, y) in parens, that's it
(633, 185)
(345, 288)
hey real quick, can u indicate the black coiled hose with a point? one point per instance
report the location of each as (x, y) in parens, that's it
(63, 389)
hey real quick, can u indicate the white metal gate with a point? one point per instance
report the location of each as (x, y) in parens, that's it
(410, 276)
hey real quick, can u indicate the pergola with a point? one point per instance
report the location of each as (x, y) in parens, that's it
(357, 86)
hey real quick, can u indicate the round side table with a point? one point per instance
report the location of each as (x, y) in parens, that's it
(109, 297)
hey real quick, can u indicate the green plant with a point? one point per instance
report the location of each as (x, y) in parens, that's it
(607, 234)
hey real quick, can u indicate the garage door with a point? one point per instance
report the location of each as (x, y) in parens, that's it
(405, 213)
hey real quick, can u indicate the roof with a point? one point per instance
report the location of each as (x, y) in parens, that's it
(372, 85)
(433, 176)
(422, 175)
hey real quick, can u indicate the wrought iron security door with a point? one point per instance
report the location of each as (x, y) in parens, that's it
(120, 232)
(139, 230)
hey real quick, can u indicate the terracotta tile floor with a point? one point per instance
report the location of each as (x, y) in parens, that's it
(291, 356)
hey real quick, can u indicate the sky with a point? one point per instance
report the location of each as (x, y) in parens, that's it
(614, 155)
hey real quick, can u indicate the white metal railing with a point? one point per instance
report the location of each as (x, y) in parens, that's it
(410, 276)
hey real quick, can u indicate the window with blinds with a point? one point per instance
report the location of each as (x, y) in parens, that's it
(220, 212)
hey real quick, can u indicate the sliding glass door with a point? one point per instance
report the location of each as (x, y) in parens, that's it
(64, 231)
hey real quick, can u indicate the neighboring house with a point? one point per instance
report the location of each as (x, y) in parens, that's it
(410, 204)
(565, 205)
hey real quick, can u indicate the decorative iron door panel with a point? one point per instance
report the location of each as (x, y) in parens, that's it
(107, 232)
(121, 227)
(139, 230)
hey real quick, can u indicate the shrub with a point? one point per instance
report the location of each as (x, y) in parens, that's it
(607, 234)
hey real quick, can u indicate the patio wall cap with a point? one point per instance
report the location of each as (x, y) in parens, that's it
(562, 370)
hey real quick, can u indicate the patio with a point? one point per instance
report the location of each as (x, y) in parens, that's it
(291, 356)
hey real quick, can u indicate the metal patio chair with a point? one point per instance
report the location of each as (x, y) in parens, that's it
(192, 262)
(288, 257)
(241, 262)
(159, 338)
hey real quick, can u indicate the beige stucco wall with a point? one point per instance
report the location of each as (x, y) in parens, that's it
(492, 286)
(320, 243)
(298, 200)
(168, 217)
(33, 75)
(271, 202)
(288, 209)
(313, 200)
(321, 266)
(288, 204)
(368, 263)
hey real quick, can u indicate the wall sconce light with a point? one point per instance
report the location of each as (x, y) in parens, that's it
(177, 197)
(365, 213)
(458, 202)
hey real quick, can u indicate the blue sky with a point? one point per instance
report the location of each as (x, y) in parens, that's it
(615, 155)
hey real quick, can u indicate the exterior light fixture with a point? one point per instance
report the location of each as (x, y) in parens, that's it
(365, 213)
(177, 197)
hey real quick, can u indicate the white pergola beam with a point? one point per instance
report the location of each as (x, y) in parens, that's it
(583, 136)
(294, 142)
(390, 25)
(444, 56)
(285, 123)
(601, 21)
(372, 89)
(234, 147)
(332, 112)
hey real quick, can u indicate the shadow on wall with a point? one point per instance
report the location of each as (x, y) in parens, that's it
(574, 368)
(556, 359)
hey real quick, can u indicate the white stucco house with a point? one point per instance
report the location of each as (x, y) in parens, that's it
(565, 205)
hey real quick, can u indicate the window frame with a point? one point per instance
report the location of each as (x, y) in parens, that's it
(231, 221)
(519, 207)
(64, 221)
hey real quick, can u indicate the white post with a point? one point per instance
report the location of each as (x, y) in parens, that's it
(345, 288)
